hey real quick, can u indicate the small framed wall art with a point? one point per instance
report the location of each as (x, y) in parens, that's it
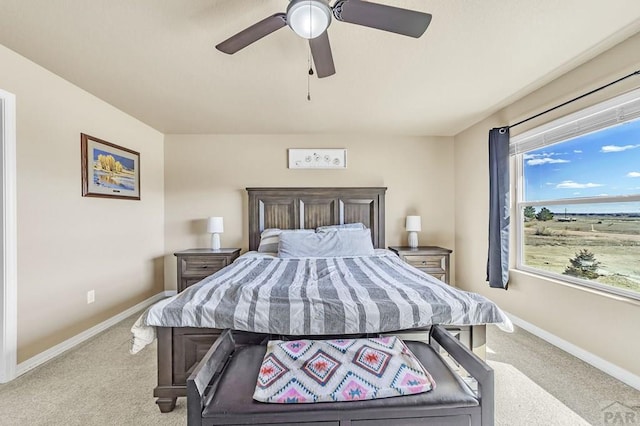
(317, 158)
(109, 170)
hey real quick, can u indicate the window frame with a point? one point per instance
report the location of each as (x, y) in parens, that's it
(517, 154)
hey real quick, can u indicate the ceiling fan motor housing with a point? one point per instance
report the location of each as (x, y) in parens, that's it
(309, 18)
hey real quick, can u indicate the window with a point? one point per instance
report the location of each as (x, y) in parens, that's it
(578, 197)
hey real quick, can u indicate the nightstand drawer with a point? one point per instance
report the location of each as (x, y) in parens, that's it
(196, 264)
(439, 274)
(189, 281)
(430, 259)
(201, 265)
(425, 261)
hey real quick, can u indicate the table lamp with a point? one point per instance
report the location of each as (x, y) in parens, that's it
(414, 226)
(215, 227)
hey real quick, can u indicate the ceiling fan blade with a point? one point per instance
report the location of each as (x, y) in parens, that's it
(253, 33)
(322, 57)
(382, 17)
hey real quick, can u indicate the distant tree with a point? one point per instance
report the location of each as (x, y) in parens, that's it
(544, 214)
(583, 265)
(109, 164)
(530, 212)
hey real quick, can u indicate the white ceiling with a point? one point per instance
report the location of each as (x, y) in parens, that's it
(155, 60)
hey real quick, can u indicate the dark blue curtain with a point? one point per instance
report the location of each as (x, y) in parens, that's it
(498, 260)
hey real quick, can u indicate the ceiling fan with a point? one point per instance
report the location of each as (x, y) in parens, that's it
(311, 18)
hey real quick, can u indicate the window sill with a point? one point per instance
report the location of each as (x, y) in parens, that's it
(596, 290)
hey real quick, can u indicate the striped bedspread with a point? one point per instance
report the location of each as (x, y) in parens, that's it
(318, 296)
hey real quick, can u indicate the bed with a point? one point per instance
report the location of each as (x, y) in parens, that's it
(183, 344)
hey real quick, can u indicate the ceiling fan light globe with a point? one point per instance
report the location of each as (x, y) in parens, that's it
(308, 18)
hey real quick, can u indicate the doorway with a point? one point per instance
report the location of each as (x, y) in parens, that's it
(8, 238)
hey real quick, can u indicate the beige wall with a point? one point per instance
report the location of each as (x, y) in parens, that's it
(207, 176)
(603, 325)
(68, 244)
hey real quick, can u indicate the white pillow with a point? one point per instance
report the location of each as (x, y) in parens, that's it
(269, 238)
(344, 227)
(326, 244)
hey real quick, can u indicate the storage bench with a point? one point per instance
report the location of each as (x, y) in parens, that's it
(220, 390)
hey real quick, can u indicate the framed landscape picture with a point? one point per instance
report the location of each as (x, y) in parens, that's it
(109, 170)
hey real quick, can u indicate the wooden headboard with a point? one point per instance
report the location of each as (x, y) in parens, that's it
(308, 208)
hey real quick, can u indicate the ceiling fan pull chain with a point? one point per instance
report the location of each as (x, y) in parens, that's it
(309, 60)
(309, 76)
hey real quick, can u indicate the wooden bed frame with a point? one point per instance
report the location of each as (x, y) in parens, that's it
(181, 348)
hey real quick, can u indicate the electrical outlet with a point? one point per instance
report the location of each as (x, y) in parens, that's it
(91, 296)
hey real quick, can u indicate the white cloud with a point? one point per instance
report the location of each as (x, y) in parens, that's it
(577, 151)
(546, 160)
(633, 174)
(569, 184)
(576, 193)
(617, 148)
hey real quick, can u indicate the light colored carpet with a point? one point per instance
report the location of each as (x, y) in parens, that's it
(520, 398)
(539, 384)
(96, 383)
(100, 383)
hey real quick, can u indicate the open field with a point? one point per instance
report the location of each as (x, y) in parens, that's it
(613, 239)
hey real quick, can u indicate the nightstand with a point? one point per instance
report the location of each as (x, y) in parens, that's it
(196, 264)
(430, 259)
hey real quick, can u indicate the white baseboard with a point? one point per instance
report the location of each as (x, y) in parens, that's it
(56, 350)
(594, 360)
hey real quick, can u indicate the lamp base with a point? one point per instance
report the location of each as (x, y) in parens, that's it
(215, 241)
(413, 239)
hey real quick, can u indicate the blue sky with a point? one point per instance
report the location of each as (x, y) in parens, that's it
(606, 162)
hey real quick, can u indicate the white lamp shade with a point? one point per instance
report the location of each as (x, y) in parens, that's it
(308, 18)
(215, 225)
(413, 224)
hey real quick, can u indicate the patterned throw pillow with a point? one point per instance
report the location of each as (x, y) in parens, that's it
(269, 239)
(305, 371)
